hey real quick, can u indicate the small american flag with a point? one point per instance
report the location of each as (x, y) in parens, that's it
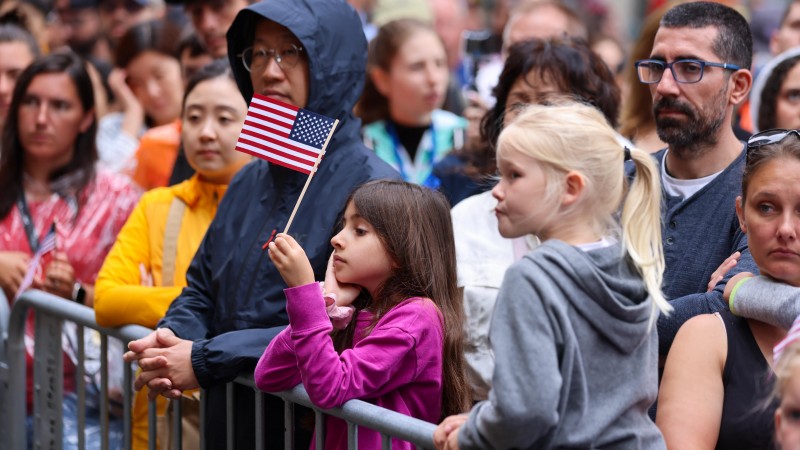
(284, 134)
(47, 245)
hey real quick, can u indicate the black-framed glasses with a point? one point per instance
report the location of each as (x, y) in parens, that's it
(258, 58)
(768, 137)
(650, 71)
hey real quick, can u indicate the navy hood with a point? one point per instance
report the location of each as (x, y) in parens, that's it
(330, 32)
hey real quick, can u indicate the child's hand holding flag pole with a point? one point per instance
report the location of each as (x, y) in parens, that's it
(286, 135)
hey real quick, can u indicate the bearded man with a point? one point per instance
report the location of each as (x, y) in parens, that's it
(698, 71)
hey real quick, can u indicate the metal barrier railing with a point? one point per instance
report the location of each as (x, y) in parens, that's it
(52, 312)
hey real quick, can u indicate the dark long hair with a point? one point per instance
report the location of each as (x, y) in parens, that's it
(426, 267)
(215, 69)
(155, 35)
(767, 117)
(567, 62)
(13, 155)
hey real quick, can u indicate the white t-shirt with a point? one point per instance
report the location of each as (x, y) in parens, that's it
(682, 188)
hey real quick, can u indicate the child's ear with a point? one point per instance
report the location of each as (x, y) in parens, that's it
(574, 184)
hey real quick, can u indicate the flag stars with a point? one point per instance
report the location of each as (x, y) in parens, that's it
(311, 129)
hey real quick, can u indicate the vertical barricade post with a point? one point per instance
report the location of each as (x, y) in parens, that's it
(48, 382)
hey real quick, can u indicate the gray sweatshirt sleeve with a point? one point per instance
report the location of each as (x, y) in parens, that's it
(767, 300)
(523, 402)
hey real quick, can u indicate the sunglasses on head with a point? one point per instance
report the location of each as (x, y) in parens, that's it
(769, 137)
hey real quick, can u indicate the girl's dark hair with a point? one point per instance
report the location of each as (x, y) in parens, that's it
(570, 64)
(374, 106)
(11, 32)
(769, 95)
(155, 35)
(426, 267)
(12, 156)
(789, 147)
(217, 68)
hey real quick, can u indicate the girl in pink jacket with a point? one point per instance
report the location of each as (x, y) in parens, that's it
(394, 263)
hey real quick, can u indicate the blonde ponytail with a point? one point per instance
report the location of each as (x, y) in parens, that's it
(641, 227)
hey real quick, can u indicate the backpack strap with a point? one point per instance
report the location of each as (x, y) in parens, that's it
(170, 247)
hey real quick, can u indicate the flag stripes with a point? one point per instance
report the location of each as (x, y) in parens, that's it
(283, 134)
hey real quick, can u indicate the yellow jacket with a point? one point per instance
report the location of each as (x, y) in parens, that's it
(120, 296)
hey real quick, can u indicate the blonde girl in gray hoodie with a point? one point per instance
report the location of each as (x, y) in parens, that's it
(573, 335)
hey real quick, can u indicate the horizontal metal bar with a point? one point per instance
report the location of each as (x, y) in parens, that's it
(366, 415)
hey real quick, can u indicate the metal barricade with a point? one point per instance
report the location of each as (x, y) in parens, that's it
(51, 312)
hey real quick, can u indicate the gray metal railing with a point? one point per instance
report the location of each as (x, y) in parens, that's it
(51, 312)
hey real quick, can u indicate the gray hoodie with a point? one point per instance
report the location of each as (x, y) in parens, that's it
(576, 356)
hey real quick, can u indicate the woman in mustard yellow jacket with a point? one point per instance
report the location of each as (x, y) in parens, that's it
(146, 268)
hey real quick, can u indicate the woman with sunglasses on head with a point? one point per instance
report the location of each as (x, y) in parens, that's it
(720, 367)
(407, 78)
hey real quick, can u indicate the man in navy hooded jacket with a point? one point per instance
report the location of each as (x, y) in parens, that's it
(234, 304)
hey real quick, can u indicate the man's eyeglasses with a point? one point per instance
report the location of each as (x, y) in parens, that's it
(258, 58)
(769, 137)
(650, 71)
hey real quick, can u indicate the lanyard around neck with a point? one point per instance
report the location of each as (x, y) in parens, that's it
(426, 157)
(27, 223)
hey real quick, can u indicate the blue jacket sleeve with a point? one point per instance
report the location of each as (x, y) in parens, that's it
(710, 302)
(224, 357)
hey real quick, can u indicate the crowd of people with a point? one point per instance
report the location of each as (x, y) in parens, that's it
(540, 236)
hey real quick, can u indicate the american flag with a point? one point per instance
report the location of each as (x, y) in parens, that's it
(47, 245)
(284, 134)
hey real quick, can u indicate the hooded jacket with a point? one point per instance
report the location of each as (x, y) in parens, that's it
(234, 304)
(576, 356)
(761, 82)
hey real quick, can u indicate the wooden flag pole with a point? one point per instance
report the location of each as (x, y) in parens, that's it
(310, 176)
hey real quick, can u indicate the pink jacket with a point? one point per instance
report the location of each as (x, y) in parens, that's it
(398, 365)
